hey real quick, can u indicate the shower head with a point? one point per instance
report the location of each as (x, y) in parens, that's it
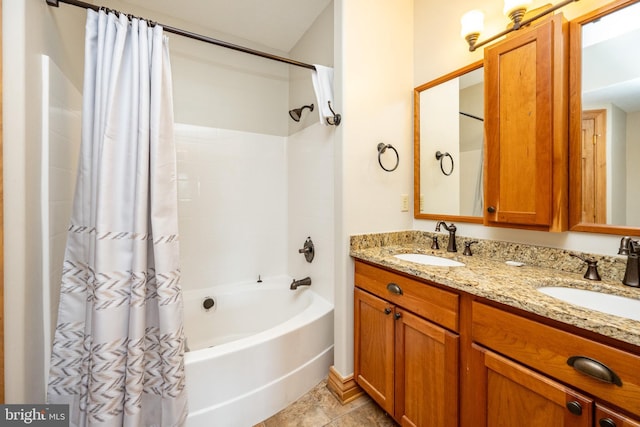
(296, 113)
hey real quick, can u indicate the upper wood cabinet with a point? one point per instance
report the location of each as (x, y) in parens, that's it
(526, 141)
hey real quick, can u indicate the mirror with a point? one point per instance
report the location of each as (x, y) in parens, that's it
(448, 146)
(605, 120)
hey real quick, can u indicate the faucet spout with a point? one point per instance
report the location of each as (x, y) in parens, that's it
(302, 282)
(451, 228)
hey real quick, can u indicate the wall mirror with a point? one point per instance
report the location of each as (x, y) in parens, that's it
(605, 120)
(448, 146)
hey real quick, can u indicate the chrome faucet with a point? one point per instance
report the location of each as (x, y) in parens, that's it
(302, 282)
(451, 228)
(631, 248)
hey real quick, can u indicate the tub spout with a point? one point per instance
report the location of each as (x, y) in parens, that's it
(302, 282)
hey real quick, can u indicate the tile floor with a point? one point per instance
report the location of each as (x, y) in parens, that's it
(319, 408)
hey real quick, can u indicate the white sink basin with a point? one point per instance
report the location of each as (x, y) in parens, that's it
(606, 303)
(429, 260)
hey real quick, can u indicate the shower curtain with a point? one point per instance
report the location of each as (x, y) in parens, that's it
(118, 351)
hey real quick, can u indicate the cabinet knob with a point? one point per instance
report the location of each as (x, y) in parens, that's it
(491, 209)
(397, 315)
(394, 288)
(606, 422)
(574, 407)
(387, 310)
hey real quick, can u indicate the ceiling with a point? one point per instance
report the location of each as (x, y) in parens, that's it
(277, 24)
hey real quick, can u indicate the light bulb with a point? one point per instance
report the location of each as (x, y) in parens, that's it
(471, 22)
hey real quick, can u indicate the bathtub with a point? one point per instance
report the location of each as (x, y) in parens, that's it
(259, 348)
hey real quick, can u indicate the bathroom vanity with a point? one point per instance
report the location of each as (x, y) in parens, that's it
(479, 345)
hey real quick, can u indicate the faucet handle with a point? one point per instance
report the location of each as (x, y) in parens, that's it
(592, 267)
(434, 243)
(467, 247)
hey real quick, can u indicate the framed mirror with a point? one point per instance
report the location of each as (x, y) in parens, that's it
(448, 146)
(604, 120)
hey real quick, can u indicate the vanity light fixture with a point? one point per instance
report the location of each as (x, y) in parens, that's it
(472, 21)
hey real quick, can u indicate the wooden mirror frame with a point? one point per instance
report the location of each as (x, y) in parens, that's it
(416, 147)
(575, 124)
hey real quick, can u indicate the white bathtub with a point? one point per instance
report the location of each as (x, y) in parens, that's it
(258, 349)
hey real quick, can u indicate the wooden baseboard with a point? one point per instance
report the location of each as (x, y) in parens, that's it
(344, 389)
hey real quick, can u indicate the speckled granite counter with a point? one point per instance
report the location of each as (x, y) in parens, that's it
(485, 274)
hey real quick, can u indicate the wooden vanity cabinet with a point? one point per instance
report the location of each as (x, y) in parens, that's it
(606, 417)
(526, 129)
(516, 396)
(521, 372)
(404, 360)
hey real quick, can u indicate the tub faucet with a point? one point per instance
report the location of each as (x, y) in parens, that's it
(631, 248)
(451, 228)
(302, 282)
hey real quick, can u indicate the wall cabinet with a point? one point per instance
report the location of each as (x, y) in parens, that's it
(526, 129)
(407, 363)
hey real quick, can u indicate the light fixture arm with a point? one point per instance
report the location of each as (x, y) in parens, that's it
(471, 38)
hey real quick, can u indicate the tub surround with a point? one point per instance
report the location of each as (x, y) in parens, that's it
(486, 275)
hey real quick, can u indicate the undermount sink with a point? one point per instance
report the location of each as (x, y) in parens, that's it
(599, 301)
(429, 260)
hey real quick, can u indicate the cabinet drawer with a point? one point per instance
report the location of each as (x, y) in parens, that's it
(432, 303)
(548, 350)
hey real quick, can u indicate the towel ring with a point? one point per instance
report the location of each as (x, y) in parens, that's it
(382, 147)
(440, 156)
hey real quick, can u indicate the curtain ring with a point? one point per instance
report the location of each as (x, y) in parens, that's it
(439, 156)
(382, 147)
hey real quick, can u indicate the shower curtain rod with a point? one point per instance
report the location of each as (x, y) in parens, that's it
(189, 34)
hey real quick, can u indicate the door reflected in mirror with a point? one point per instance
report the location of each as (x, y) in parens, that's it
(449, 121)
(605, 120)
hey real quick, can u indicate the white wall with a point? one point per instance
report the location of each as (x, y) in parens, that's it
(315, 46)
(374, 81)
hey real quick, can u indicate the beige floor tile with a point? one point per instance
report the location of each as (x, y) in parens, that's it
(304, 412)
(369, 415)
(319, 408)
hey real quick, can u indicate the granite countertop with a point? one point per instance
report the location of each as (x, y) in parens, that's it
(491, 278)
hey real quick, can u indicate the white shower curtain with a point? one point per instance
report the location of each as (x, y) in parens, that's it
(118, 351)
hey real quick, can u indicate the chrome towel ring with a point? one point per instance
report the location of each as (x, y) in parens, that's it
(439, 156)
(382, 147)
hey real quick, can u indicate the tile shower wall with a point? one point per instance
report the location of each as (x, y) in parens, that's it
(232, 205)
(62, 104)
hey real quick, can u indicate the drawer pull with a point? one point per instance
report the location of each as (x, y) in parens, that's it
(574, 407)
(594, 369)
(398, 315)
(387, 310)
(395, 289)
(606, 422)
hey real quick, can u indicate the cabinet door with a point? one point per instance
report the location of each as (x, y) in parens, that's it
(426, 372)
(523, 185)
(513, 395)
(373, 347)
(606, 417)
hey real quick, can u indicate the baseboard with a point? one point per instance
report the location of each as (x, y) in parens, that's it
(344, 389)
